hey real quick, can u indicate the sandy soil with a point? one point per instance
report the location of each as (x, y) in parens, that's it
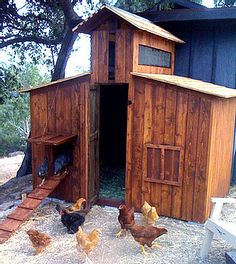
(180, 246)
(9, 167)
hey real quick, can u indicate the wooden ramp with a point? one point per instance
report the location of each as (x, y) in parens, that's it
(27, 207)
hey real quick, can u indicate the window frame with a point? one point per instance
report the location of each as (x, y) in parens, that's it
(162, 179)
(143, 64)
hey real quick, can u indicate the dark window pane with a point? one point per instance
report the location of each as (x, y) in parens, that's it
(111, 66)
(154, 57)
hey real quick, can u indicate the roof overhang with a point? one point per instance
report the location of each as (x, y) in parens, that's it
(98, 18)
(55, 82)
(190, 84)
(190, 14)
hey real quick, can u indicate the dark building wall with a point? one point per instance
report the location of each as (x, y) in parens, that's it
(209, 53)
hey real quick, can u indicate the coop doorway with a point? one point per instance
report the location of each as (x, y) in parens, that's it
(112, 142)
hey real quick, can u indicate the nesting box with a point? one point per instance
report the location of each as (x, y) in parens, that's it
(172, 137)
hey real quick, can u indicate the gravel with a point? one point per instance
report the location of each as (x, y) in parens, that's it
(180, 245)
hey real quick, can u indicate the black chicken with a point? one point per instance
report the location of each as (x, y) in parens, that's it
(61, 162)
(42, 170)
(72, 221)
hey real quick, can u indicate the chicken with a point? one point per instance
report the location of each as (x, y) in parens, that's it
(126, 216)
(145, 235)
(87, 242)
(150, 213)
(77, 206)
(72, 221)
(61, 162)
(145, 208)
(42, 171)
(39, 240)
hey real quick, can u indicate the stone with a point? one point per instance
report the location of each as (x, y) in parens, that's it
(230, 257)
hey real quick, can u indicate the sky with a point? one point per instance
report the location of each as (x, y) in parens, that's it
(79, 61)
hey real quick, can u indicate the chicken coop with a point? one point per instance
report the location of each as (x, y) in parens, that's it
(160, 138)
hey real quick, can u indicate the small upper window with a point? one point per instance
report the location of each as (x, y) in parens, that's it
(111, 57)
(154, 57)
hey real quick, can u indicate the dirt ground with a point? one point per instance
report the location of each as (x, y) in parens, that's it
(181, 245)
(9, 167)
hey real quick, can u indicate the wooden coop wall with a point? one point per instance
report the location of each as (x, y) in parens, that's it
(60, 109)
(100, 52)
(156, 42)
(127, 41)
(186, 122)
(221, 145)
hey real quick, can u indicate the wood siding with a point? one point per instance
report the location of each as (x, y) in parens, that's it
(207, 41)
(123, 52)
(127, 41)
(59, 109)
(147, 39)
(168, 115)
(222, 138)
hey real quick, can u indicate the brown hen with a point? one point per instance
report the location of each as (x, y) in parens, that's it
(39, 240)
(145, 235)
(126, 217)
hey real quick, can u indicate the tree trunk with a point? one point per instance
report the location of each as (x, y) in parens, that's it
(64, 54)
(26, 165)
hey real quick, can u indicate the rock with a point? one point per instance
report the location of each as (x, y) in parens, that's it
(16, 153)
(6, 206)
(230, 257)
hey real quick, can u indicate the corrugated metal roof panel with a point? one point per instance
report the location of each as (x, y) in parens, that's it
(191, 84)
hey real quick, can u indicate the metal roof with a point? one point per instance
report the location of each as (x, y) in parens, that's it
(92, 22)
(191, 84)
(54, 82)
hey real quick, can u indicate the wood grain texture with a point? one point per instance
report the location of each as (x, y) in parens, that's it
(147, 39)
(57, 109)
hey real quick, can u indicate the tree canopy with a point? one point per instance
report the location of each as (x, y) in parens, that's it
(40, 24)
(225, 3)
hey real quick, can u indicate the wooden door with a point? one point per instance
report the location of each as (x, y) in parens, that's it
(93, 168)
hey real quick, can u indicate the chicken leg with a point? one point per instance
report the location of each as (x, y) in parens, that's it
(143, 250)
(119, 233)
(42, 182)
(156, 245)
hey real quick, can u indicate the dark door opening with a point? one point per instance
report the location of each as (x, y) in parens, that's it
(112, 141)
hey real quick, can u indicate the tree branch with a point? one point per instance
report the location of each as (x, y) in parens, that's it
(38, 40)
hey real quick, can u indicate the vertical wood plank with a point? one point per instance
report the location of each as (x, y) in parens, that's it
(137, 148)
(147, 137)
(200, 183)
(180, 134)
(158, 129)
(190, 156)
(169, 139)
(129, 144)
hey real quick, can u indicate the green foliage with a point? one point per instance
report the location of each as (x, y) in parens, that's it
(14, 108)
(14, 119)
(142, 5)
(225, 3)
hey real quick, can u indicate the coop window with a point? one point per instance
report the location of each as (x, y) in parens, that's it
(154, 57)
(111, 57)
(163, 164)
